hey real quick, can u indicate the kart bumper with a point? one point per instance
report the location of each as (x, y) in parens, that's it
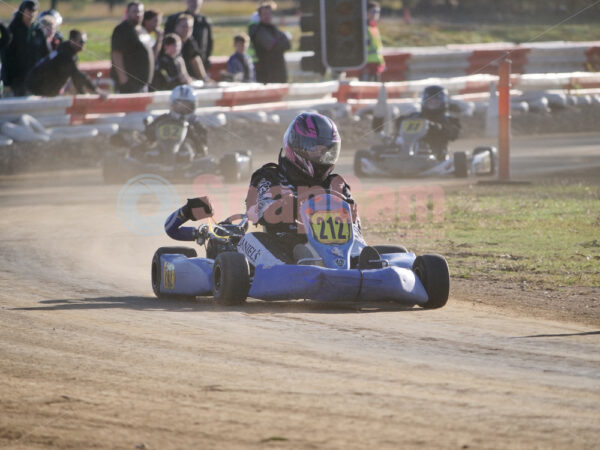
(288, 282)
(181, 275)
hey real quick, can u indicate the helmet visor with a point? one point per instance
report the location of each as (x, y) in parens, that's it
(434, 102)
(320, 154)
(183, 107)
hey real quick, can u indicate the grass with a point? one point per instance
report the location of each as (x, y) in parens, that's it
(544, 236)
(431, 34)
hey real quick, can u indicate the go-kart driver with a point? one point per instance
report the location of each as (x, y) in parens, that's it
(311, 147)
(178, 130)
(443, 128)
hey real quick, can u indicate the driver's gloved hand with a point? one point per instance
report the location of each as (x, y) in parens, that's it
(196, 209)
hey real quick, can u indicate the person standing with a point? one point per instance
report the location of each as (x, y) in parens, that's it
(131, 53)
(170, 69)
(189, 48)
(58, 37)
(270, 45)
(201, 32)
(51, 73)
(375, 61)
(48, 26)
(151, 25)
(27, 47)
(240, 66)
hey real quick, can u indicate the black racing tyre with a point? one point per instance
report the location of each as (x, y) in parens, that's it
(434, 274)
(461, 165)
(156, 270)
(230, 168)
(383, 249)
(230, 279)
(357, 166)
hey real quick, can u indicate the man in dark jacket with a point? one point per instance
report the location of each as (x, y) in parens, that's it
(51, 73)
(201, 33)
(270, 45)
(27, 47)
(131, 53)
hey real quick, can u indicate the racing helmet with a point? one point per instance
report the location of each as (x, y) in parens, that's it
(54, 13)
(434, 101)
(311, 146)
(182, 101)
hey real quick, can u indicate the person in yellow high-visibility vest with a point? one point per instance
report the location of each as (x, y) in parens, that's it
(375, 63)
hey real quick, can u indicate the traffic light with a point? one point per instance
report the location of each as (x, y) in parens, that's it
(310, 40)
(344, 33)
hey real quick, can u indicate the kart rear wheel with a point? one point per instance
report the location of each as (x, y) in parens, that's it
(433, 272)
(357, 164)
(461, 165)
(156, 270)
(230, 279)
(383, 249)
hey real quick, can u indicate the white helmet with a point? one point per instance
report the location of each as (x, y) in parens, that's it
(182, 100)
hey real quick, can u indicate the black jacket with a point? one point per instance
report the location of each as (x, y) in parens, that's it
(272, 182)
(202, 34)
(51, 73)
(270, 45)
(27, 47)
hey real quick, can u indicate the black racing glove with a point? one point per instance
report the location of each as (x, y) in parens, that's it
(196, 209)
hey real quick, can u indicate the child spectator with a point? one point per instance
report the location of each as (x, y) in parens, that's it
(240, 66)
(170, 71)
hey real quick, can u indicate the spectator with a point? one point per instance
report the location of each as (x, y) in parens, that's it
(58, 37)
(25, 49)
(189, 48)
(170, 71)
(375, 62)
(131, 53)
(48, 26)
(240, 66)
(50, 74)
(270, 45)
(5, 36)
(150, 24)
(201, 31)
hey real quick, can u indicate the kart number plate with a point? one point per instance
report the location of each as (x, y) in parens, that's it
(170, 132)
(413, 126)
(331, 227)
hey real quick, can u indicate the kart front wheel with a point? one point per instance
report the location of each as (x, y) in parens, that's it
(230, 279)
(433, 272)
(156, 271)
(385, 249)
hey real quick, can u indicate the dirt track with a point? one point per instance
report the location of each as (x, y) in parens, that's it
(90, 359)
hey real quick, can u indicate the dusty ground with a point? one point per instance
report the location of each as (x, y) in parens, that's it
(90, 359)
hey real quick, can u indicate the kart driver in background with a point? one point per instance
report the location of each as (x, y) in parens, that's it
(443, 128)
(179, 125)
(311, 147)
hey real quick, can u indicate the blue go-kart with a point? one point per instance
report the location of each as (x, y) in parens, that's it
(338, 267)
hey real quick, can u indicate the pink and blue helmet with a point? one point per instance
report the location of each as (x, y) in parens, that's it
(312, 144)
